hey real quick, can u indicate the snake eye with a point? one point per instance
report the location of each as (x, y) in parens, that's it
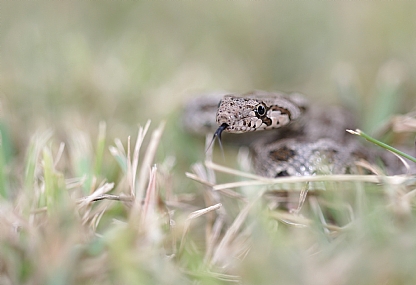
(261, 110)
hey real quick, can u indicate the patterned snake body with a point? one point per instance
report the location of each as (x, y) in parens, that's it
(308, 139)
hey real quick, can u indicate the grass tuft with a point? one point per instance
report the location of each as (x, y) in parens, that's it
(139, 229)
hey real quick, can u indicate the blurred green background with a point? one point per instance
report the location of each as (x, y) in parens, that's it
(75, 63)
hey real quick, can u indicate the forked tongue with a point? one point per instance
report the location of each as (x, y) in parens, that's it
(217, 134)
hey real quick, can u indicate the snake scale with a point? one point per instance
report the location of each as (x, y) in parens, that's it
(291, 137)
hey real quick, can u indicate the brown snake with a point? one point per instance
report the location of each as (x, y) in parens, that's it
(308, 140)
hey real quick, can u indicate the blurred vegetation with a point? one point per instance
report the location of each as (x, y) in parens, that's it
(125, 62)
(66, 66)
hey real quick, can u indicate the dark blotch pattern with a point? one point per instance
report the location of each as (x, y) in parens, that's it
(282, 154)
(267, 121)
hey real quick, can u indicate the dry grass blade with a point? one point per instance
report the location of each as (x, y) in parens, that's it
(150, 201)
(111, 197)
(406, 165)
(147, 160)
(260, 181)
(291, 219)
(318, 212)
(369, 166)
(198, 179)
(213, 237)
(235, 172)
(129, 169)
(324, 178)
(302, 199)
(97, 218)
(139, 141)
(226, 192)
(221, 251)
(204, 211)
(120, 146)
(405, 123)
(59, 154)
(195, 215)
(96, 194)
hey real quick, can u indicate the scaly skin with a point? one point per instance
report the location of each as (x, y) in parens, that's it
(258, 111)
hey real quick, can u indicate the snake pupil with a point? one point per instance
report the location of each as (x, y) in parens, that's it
(261, 110)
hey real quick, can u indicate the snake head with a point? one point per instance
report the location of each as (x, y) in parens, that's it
(257, 111)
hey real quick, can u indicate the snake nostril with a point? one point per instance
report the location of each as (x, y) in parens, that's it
(221, 119)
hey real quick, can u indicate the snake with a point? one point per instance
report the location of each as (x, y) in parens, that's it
(290, 135)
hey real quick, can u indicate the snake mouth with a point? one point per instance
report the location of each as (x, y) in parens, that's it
(219, 131)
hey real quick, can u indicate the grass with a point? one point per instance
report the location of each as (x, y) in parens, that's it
(137, 229)
(383, 145)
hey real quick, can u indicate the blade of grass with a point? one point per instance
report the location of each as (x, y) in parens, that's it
(193, 216)
(99, 152)
(54, 183)
(3, 183)
(232, 231)
(135, 162)
(150, 201)
(129, 174)
(37, 142)
(147, 161)
(381, 144)
(336, 178)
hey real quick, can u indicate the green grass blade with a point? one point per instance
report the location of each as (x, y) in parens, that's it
(381, 144)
